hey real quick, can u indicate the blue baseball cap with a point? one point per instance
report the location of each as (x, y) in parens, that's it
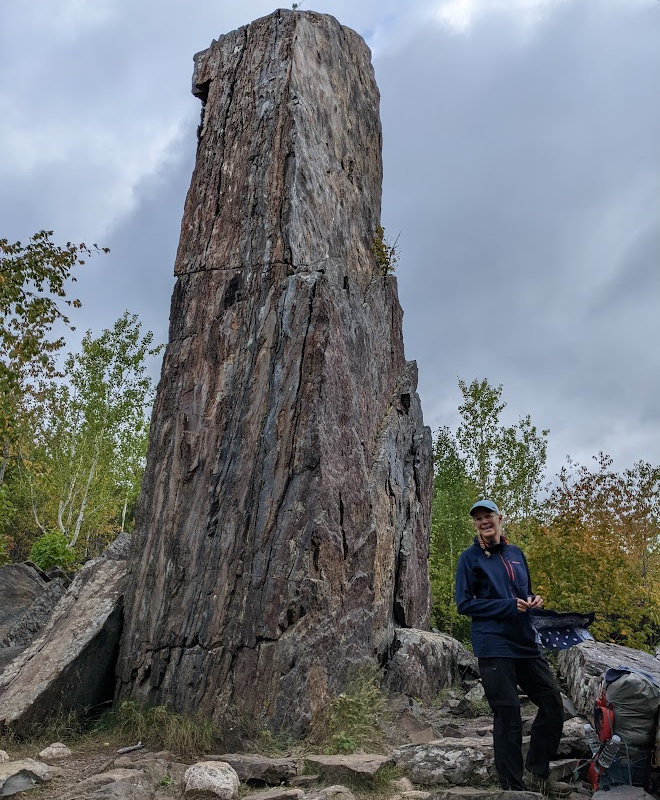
(484, 504)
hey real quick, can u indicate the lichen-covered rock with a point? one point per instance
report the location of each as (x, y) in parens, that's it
(449, 762)
(216, 778)
(282, 530)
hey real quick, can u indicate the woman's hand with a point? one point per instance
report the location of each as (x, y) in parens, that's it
(533, 601)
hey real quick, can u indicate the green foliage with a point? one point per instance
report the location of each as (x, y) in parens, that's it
(354, 719)
(451, 532)
(83, 454)
(50, 550)
(157, 726)
(33, 286)
(387, 254)
(599, 549)
(505, 462)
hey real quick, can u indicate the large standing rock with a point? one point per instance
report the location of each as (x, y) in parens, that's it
(70, 666)
(282, 530)
(582, 667)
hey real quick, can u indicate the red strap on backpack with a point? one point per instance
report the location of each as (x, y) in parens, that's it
(604, 718)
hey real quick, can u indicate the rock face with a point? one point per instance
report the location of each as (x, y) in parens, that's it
(282, 530)
(70, 666)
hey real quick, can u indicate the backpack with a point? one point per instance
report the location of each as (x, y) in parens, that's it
(627, 706)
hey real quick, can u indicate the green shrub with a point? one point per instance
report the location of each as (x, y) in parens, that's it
(355, 719)
(386, 254)
(50, 550)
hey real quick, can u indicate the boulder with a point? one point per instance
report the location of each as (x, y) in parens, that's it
(216, 778)
(285, 506)
(253, 767)
(422, 663)
(582, 666)
(353, 767)
(33, 621)
(70, 666)
(445, 762)
(19, 776)
(20, 584)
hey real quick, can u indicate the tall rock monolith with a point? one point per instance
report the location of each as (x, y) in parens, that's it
(282, 530)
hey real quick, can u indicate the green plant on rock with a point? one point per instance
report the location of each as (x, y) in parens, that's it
(355, 718)
(387, 254)
(51, 550)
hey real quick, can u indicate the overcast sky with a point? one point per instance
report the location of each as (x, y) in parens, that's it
(522, 174)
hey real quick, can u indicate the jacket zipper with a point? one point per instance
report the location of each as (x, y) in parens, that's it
(509, 572)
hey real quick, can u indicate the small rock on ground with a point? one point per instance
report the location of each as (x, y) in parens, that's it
(55, 752)
(217, 778)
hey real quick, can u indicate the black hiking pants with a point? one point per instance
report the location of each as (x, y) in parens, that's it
(500, 678)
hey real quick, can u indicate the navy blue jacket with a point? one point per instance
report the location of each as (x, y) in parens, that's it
(486, 590)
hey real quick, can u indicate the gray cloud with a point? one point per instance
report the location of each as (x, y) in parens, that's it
(521, 168)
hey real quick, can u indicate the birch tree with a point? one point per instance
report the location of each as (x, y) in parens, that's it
(89, 444)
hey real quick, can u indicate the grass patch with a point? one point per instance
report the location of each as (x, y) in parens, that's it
(157, 726)
(355, 719)
(59, 726)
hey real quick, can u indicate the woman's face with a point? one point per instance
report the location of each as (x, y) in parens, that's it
(488, 524)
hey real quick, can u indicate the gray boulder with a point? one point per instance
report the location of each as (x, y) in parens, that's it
(70, 666)
(19, 776)
(20, 584)
(211, 779)
(35, 617)
(422, 663)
